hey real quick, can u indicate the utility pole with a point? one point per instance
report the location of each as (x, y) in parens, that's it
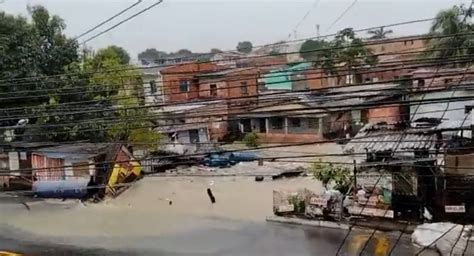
(317, 30)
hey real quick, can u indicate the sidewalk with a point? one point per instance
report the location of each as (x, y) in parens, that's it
(362, 225)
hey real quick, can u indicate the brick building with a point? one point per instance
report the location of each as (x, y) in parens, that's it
(180, 83)
(333, 113)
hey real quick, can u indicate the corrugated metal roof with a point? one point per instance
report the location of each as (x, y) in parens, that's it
(380, 138)
(464, 123)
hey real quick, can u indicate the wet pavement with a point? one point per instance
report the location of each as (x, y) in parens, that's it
(236, 239)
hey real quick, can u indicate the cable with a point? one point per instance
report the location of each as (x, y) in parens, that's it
(381, 68)
(414, 114)
(276, 93)
(394, 40)
(342, 15)
(108, 20)
(122, 22)
(369, 43)
(351, 106)
(269, 158)
(315, 4)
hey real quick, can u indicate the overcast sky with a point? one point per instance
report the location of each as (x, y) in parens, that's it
(200, 25)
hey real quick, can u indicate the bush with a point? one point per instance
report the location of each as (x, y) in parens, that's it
(251, 140)
(327, 173)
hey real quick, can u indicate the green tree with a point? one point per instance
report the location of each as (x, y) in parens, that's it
(215, 50)
(151, 54)
(330, 174)
(55, 51)
(457, 39)
(36, 49)
(244, 47)
(115, 52)
(251, 140)
(345, 48)
(122, 88)
(312, 50)
(379, 33)
(349, 49)
(183, 52)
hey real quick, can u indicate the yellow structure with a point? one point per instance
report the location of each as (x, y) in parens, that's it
(381, 247)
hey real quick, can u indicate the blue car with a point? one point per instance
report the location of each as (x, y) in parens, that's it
(243, 157)
(226, 159)
(218, 160)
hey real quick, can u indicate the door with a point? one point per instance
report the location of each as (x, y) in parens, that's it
(194, 136)
(262, 125)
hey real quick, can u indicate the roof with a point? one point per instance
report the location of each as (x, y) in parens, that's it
(75, 151)
(179, 127)
(437, 71)
(151, 69)
(225, 72)
(383, 137)
(456, 124)
(352, 95)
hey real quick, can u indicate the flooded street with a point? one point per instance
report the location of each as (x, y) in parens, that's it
(226, 238)
(143, 222)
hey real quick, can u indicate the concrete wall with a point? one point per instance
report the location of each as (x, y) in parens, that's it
(461, 164)
(150, 97)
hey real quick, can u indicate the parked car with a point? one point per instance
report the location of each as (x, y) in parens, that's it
(244, 156)
(218, 160)
(226, 159)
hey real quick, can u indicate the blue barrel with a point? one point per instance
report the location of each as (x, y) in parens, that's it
(61, 188)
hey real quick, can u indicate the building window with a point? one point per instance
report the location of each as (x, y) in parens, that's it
(277, 123)
(184, 86)
(295, 122)
(213, 90)
(421, 83)
(243, 88)
(153, 86)
(313, 123)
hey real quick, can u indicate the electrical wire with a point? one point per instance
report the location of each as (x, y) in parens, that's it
(108, 20)
(368, 43)
(122, 22)
(254, 97)
(375, 229)
(342, 15)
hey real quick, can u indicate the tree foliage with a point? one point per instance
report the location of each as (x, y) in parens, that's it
(151, 54)
(379, 33)
(252, 140)
(345, 49)
(93, 98)
(113, 51)
(215, 50)
(330, 174)
(313, 49)
(244, 47)
(455, 25)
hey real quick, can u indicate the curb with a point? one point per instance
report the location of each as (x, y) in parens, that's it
(313, 223)
(343, 226)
